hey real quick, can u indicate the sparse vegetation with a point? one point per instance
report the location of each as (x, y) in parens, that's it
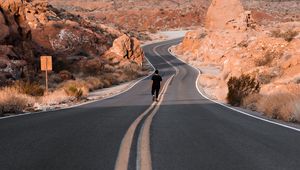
(239, 88)
(282, 105)
(288, 35)
(29, 88)
(250, 101)
(56, 97)
(76, 88)
(74, 91)
(11, 101)
(266, 59)
(92, 67)
(278, 106)
(94, 83)
(265, 78)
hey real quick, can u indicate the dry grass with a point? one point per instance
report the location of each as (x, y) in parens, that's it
(278, 106)
(284, 106)
(24, 95)
(29, 88)
(12, 101)
(94, 83)
(54, 98)
(250, 102)
(76, 88)
(288, 35)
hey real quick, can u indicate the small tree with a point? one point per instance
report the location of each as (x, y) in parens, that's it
(239, 88)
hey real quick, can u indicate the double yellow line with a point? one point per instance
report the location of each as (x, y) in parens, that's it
(143, 150)
(143, 161)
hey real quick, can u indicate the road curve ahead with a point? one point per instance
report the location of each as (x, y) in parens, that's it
(183, 131)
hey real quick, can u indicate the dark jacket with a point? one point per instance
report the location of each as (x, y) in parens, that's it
(156, 81)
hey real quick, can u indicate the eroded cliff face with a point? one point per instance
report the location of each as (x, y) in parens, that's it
(232, 43)
(30, 29)
(221, 13)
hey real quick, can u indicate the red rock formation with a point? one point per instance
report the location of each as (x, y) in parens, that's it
(221, 12)
(31, 29)
(235, 45)
(126, 48)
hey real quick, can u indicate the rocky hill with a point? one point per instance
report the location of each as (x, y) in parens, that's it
(30, 29)
(152, 15)
(140, 15)
(232, 43)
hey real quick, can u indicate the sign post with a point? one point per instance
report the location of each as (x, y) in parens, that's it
(46, 65)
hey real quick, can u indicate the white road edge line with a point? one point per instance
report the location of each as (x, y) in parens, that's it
(217, 102)
(125, 147)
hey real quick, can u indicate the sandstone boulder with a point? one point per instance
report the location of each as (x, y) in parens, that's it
(128, 48)
(221, 12)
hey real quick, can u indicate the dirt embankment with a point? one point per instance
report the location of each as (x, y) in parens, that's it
(234, 43)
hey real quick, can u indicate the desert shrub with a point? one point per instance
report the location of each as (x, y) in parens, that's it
(266, 59)
(112, 78)
(278, 106)
(29, 88)
(131, 71)
(288, 35)
(265, 78)
(75, 88)
(107, 68)
(106, 83)
(152, 30)
(241, 87)
(276, 33)
(94, 83)
(92, 67)
(11, 101)
(250, 101)
(72, 90)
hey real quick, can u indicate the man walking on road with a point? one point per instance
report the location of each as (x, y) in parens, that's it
(156, 78)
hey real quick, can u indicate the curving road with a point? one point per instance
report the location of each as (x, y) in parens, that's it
(183, 131)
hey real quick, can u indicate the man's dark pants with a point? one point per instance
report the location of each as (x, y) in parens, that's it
(156, 91)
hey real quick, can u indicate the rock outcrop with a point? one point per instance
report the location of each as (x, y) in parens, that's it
(31, 29)
(127, 49)
(220, 13)
(233, 44)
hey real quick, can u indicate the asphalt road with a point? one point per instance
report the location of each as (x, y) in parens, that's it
(187, 132)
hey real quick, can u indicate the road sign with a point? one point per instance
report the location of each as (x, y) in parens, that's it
(46, 63)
